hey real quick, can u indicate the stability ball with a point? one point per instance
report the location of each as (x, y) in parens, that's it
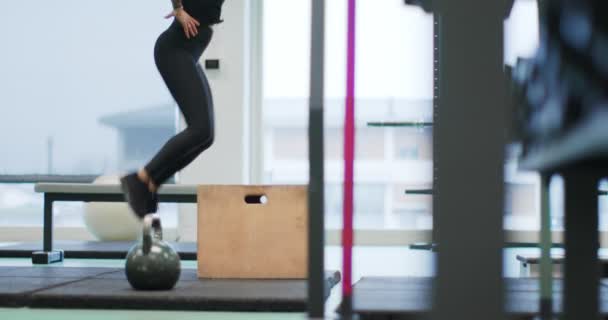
(111, 221)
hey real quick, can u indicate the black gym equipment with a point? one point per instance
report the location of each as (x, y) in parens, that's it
(565, 84)
(565, 134)
(152, 264)
(469, 112)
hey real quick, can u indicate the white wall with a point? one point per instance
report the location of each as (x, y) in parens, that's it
(227, 162)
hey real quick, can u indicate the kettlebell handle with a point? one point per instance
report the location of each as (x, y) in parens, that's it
(152, 230)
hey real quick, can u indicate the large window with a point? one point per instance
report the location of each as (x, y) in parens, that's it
(394, 82)
(522, 193)
(79, 94)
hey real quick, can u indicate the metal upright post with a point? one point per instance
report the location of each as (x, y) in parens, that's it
(546, 268)
(470, 134)
(47, 255)
(316, 228)
(581, 266)
(436, 149)
(546, 240)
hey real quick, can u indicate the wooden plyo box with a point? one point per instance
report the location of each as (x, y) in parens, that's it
(242, 240)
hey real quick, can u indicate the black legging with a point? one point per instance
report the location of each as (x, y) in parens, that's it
(177, 60)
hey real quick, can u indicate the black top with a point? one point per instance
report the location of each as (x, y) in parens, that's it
(205, 11)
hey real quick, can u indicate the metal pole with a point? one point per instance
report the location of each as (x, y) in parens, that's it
(581, 267)
(470, 133)
(349, 160)
(436, 149)
(546, 268)
(316, 228)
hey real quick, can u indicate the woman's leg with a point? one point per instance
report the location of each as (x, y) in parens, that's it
(177, 60)
(189, 87)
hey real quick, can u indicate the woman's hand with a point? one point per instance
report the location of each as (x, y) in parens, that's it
(188, 23)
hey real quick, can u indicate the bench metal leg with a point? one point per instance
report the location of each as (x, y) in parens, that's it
(582, 272)
(47, 255)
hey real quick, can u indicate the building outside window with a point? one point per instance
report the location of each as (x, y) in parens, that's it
(394, 82)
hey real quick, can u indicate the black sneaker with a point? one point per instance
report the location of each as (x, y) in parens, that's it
(139, 197)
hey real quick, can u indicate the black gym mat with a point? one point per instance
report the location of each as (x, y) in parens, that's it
(53, 272)
(18, 283)
(106, 288)
(332, 277)
(409, 298)
(15, 291)
(91, 249)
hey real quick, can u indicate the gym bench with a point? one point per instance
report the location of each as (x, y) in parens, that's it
(529, 264)
(86, 192)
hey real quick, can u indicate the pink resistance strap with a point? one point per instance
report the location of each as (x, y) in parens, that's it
(349, 156)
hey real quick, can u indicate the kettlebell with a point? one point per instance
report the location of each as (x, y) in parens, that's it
(152, 264)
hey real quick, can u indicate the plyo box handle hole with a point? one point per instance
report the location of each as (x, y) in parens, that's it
(256, 199)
